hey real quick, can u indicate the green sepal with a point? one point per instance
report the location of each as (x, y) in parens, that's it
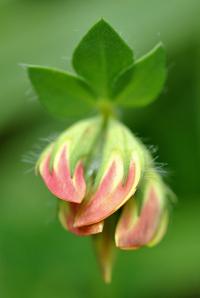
(151, 177)
(118, 140)
(81, 138)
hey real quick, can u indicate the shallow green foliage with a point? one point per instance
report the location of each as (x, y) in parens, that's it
(100, 57)
(106, 73)
(141, 83)
(62, 94)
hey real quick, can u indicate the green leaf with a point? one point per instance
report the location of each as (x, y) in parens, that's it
(100, 57)
(62, 94)
(141, 84)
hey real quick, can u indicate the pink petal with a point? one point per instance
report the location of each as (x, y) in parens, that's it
(67, 215)
(59, 180)
(107, 200)
(133, 231)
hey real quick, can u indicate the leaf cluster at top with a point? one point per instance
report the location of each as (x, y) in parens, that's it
(107, 76)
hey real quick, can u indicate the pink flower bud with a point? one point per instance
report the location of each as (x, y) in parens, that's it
(62, 165)
(59, 180)
(146, 226)
(111, 194)
(96, 164)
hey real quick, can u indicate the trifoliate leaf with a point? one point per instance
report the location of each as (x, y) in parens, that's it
(100, 57)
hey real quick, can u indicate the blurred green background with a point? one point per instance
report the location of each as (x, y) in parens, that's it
(38, 259)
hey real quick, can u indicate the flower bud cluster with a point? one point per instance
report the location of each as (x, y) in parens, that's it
(98, 170)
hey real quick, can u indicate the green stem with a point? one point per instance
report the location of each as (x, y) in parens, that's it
(106, 108)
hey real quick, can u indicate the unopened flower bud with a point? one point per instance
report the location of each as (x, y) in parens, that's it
(144, 218)
(62, 165)
(117, 177)
(95, 164)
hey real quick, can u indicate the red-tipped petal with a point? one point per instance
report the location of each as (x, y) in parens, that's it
(59, 180)
(132, 231)
(107, 200)
(67, 213)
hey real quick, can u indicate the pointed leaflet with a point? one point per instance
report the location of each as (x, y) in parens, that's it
(142, 83)
(62, 94)
(101, 56)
